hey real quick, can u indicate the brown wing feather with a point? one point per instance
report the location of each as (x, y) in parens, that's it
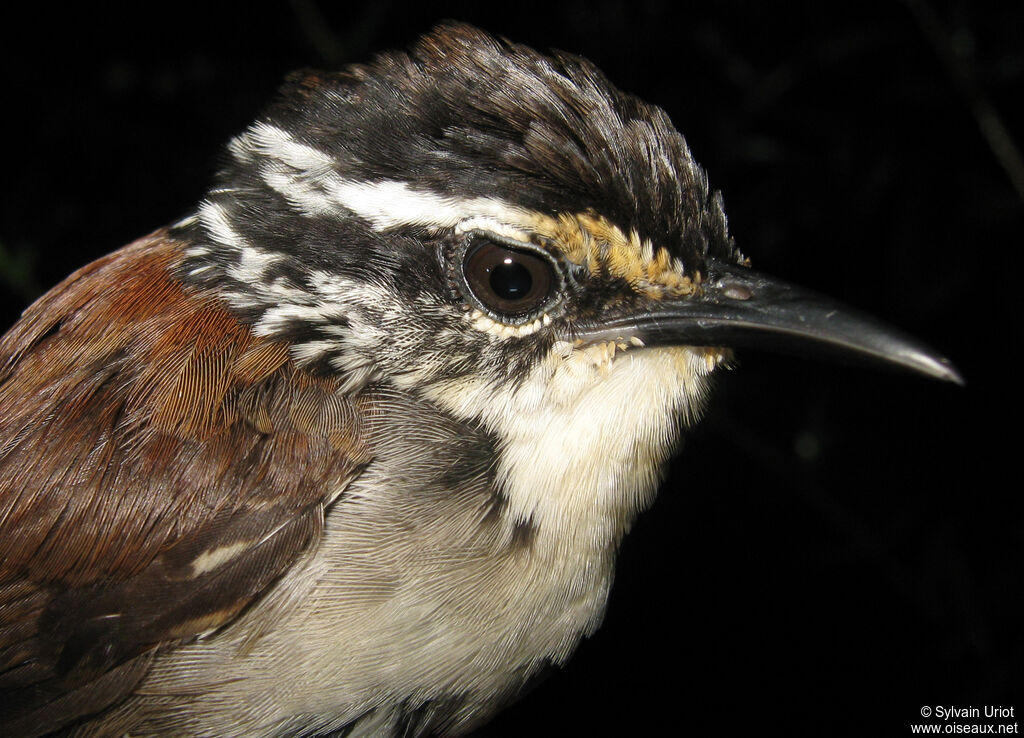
(159, 468)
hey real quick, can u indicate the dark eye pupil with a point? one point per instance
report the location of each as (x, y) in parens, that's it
(511, 280)
(512, 283)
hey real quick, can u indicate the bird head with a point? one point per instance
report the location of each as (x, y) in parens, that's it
(512, 238)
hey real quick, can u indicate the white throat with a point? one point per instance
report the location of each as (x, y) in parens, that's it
(584, 438)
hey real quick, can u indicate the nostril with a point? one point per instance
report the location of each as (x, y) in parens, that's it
(736, 291)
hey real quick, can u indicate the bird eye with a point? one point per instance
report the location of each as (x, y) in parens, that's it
(508, 281)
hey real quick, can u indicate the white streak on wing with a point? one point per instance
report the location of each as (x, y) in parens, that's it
(216, 557)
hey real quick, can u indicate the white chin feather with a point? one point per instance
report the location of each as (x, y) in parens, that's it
(584, 438)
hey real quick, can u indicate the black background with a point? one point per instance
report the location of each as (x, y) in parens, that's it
(834, 547)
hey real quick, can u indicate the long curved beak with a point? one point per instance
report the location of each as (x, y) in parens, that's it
(739, 307)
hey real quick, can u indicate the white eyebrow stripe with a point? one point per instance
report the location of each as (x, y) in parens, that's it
(392, 204)
(270, 141)
(306, 177)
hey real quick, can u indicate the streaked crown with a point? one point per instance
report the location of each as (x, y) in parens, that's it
(459, 206)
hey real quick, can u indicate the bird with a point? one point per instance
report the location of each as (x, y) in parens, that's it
(350, 449)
